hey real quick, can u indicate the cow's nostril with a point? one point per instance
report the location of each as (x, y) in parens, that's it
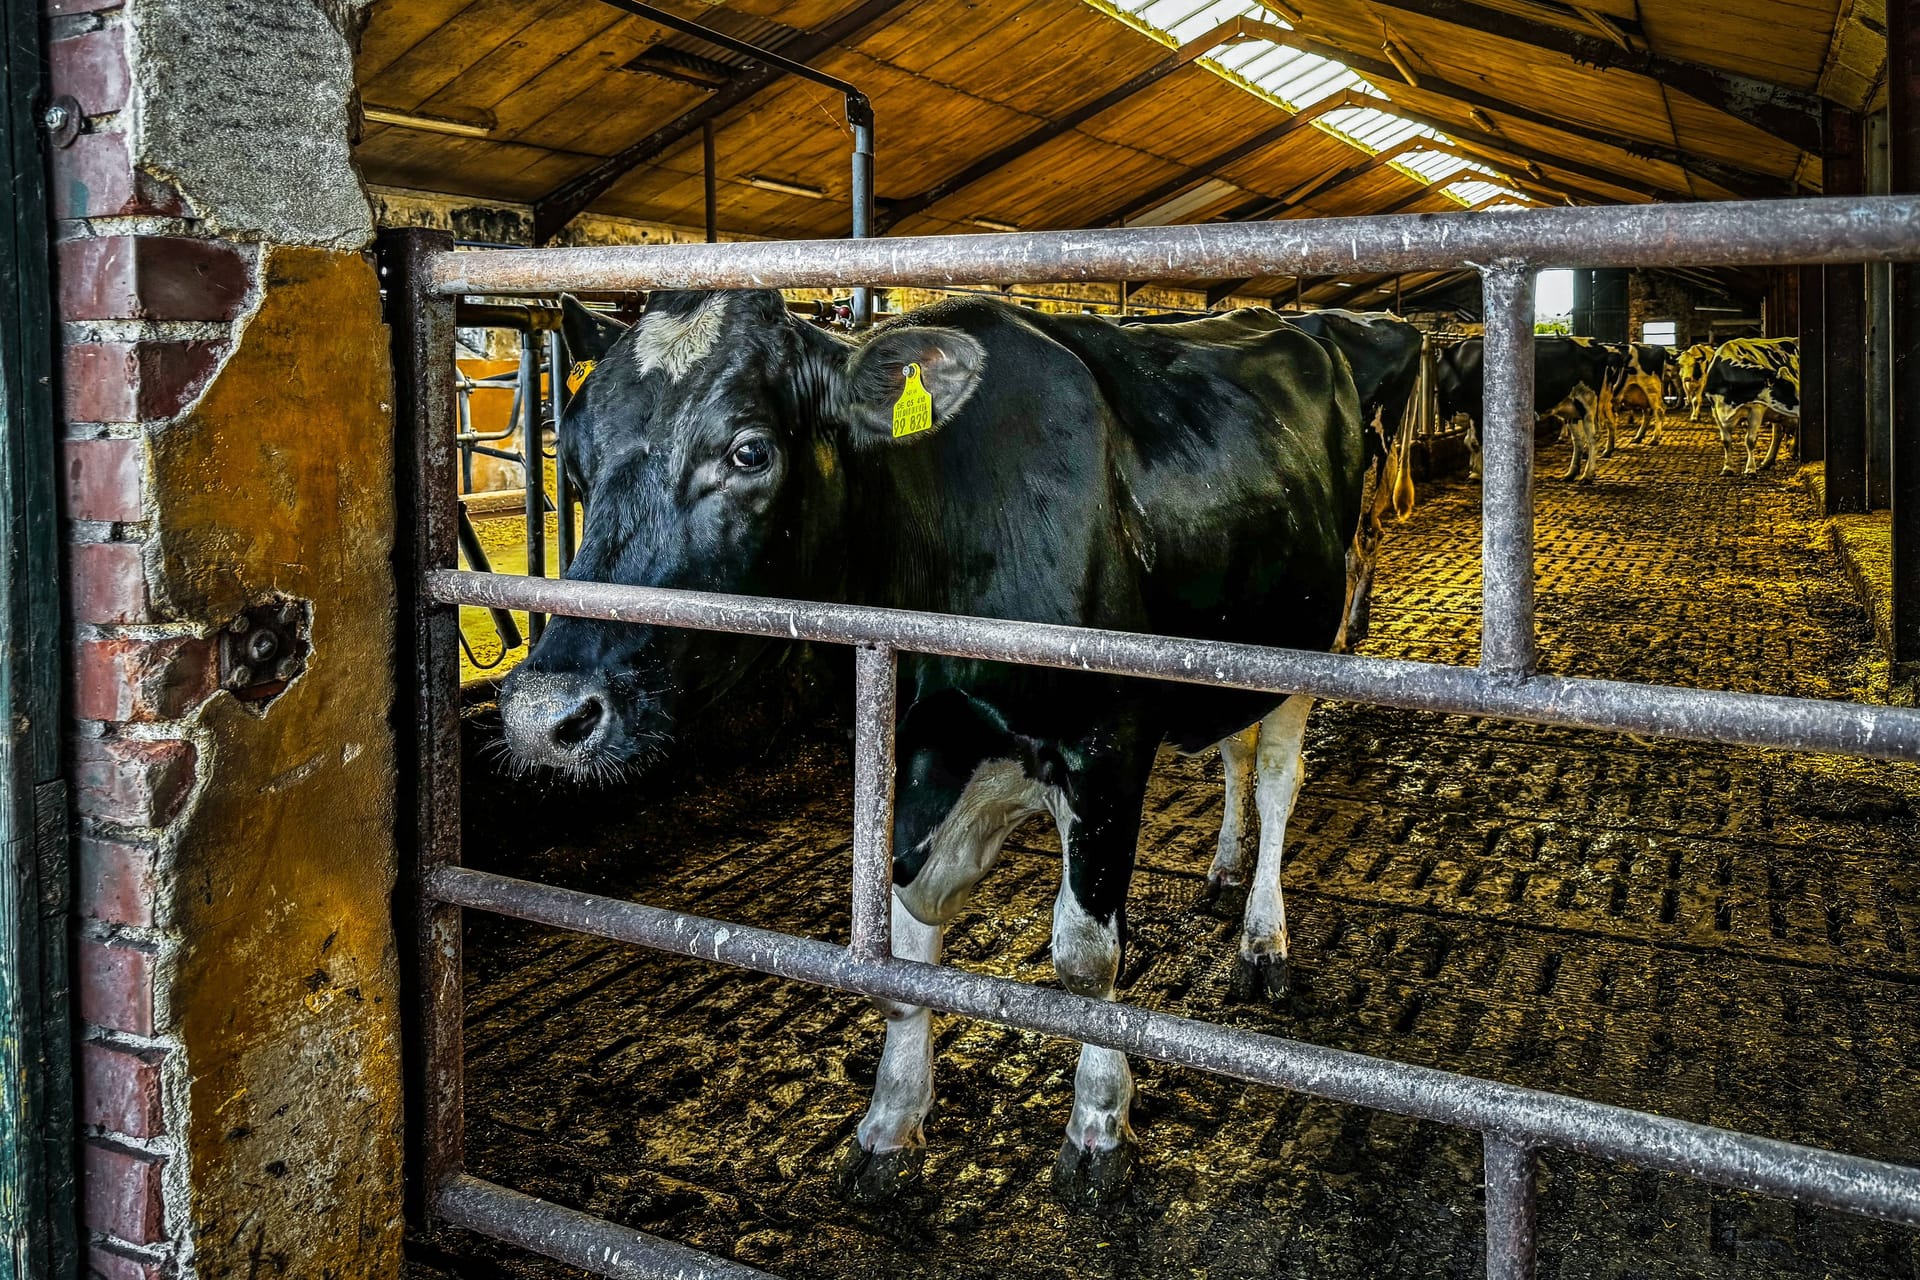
(578, 725)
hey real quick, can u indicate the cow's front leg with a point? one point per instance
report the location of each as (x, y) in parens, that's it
(1099, 827)
(1229, 855)
(891, 1145)
(1571, 432)
(1726, 444)
(1263, 968)
(1754, 413)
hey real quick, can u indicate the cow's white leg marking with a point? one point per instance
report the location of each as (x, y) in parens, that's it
(890, 1140)
(1773, 445)
(903, 1087)
(1263, 934)
(1754, 412)
(1236, 759)
(1086, 958)
(1720, 417)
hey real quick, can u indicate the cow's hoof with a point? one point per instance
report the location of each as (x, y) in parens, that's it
(1223, 900)
(1093, 1179)
(1726, 471)
(1262, 980)
(877, 1177)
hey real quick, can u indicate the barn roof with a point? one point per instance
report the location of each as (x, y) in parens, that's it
(1072, 113)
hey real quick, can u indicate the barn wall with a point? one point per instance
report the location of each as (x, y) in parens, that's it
(226, 396)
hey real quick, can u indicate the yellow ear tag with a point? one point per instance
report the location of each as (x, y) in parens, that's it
(578, 375)
(913, 411)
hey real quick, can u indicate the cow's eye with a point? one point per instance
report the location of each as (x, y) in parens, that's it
(751, 454)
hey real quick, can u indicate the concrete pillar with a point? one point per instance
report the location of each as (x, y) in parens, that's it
(1879, 278)
(1844, 290)
(1903, 98)
(228, 509)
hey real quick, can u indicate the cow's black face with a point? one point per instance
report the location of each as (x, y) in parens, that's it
(710, 443)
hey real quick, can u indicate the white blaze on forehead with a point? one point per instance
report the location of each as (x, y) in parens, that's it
(675, 343)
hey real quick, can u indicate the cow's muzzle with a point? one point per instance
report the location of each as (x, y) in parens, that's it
(561, 720)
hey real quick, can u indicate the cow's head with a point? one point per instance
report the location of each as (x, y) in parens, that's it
(711, 444)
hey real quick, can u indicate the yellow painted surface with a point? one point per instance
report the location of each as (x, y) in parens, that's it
(286, 989)
(504, 539)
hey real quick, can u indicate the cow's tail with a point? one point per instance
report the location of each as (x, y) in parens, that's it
(1400, 469)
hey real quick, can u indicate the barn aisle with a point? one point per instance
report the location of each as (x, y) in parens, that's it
(1720, 934)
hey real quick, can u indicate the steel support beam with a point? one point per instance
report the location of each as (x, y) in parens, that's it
(564, 203)
(1844, 290)
(1903, 154)
(1791, 115)
(1232, 31)
(1813, 364)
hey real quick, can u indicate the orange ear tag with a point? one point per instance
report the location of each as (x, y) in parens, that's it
(913, 411)
(578, 375)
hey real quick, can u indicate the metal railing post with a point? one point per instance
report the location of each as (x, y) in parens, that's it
(1512, 1202)
(426, 458)
(1507, 645)
(562, 490)
(534, 467)
(875, 669)
(860, 116)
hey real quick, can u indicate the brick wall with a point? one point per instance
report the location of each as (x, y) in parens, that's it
(147, 303)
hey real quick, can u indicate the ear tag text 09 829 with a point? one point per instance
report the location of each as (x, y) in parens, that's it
(578, 375)
(913, 411)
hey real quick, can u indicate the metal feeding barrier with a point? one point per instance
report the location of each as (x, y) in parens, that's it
(425, 277)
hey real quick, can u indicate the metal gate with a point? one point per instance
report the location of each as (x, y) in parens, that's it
(425, 277)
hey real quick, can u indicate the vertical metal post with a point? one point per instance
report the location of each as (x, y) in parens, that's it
(1903, 153)
(562, 489)
(534, 466)
(860, 116)
(1507, 646)
(1813, 364)
(1874, 147)
(1844, 289)
(712, 181)
(1512, 1205)
(875, 670)
(428, 804)
(1299, 289)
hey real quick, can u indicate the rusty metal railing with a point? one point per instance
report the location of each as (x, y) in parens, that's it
(425, 276)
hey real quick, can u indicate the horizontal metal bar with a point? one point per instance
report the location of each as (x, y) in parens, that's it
(1746, 232)
(578, 1239)
(1795, 724)
(1874, 1188)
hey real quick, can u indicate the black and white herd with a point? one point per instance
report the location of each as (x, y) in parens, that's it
(1220, 478)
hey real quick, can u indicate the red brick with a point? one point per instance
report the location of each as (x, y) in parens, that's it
(141, 784)
(120, 1089)
(115, 986)
(107, 582)
(143, 680)
(115, 882)
(122, 1192)
(105, 479)
(92, 68)
(104, 1263)
(150, 278)
(134, 381)
(95, 178)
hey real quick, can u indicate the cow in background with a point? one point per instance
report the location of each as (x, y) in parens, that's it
(1692, 367)
(1569, 376)
(1748, 379)
(1639, 390)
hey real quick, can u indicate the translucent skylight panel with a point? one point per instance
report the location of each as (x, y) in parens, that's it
(1207, 19)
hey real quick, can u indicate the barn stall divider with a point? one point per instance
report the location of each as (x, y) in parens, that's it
(425, 279)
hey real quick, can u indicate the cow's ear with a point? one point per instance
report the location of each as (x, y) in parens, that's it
(589, 334)
(906, 380)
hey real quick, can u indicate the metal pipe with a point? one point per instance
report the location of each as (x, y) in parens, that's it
(1750, 232)
(1873, 1188)
(711, 182)
(534, 468)
(1903, 176)
(1508, 650)
(575, 1238)
(862, 121)
(1512, 1207)
(1795, 724)
(875, 670)
(557, 397)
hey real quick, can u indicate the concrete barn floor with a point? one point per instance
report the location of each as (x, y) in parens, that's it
(1726, 935)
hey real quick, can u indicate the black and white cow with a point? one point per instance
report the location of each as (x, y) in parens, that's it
(1203, 481)
(1639, 390)
(1750, 378)
(1569, 375)
(1693, 376)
